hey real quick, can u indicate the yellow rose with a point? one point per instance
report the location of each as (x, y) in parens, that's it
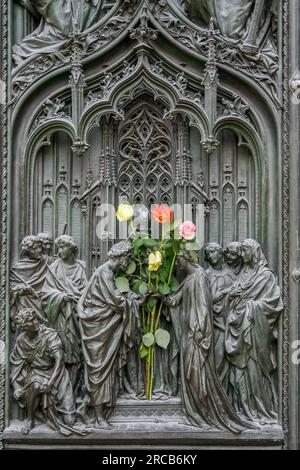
(125, 213)
(155, 261)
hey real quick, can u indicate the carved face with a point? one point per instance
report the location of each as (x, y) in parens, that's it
(246, 253)
(213, 256)
(31, 326)
(123, 262)
(47, 246)
(181, 263)
(35, 251)
(65, 252)
(233, 255)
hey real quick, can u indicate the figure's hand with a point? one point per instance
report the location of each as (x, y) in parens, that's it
(18, 394)
(157, 295)
(47, 388)
(225, 291)
(234, 293)
(26, 291)
(142, 299)
(198, 337)
(169, 301)
(68, 298)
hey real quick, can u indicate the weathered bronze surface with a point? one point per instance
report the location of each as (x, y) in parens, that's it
(151, 102)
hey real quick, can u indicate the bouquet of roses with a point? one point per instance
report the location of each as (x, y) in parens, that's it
(152, 275)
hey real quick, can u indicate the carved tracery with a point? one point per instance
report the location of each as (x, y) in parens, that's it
(149, 128)
(145, 174)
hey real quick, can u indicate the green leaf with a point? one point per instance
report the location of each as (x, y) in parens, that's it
(144, 274)
(194, 256)
(164, 289)
(149, 243)
(164, 274)
(122, 284)
(169, 244)
(143, 288)
(143, 351)
(162, 338)
(144, 242)
(151, 302)
(176, 246)
(148, 340)
(193, 245)
(136, 286)
(131, 268)
(138, 244)
(174, 284)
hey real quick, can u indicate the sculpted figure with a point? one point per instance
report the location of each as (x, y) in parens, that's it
(62, 289)
(27, 277)
(40, 381)
(219, 279)
(108, 332)
(47, 246)
(233, 259)
(249, 20)
(58, 20)
(254, 308)
(204, 400)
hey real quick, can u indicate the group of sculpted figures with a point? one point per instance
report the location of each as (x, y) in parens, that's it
(59, 19)
(74, 338)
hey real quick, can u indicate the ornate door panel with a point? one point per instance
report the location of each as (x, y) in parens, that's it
(168, 102)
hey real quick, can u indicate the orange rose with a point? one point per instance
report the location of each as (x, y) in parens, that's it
(162, 214)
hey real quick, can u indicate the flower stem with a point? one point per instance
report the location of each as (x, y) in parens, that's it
(172, 267)
(152, 373)
(169, 281)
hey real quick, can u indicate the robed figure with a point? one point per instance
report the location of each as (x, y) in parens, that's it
(254, 308)
(108, 331)
(40, 381)
(235, 18)
(59, 19)
(27, 278)
(204, 400)
(219, 280)
(64, 285)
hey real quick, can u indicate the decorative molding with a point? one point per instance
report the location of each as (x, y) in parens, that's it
(91, 42)
(236, 107)
(286, 222)
(143, 33)
(4, 216)
(50, 110)
(261, 68)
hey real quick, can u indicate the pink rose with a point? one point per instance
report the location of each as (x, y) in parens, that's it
(188, 230)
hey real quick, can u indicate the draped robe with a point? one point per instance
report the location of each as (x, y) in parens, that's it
(108, 330)
(32, 362)
(28, 273)
(250, 342)
(204, 400)
(59, 19)
(219, 280)
(62, 316)
(233, 17)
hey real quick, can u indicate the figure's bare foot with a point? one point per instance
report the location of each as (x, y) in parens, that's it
(28, 426)
(69, 420)
(64, 431)
(102, 424)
